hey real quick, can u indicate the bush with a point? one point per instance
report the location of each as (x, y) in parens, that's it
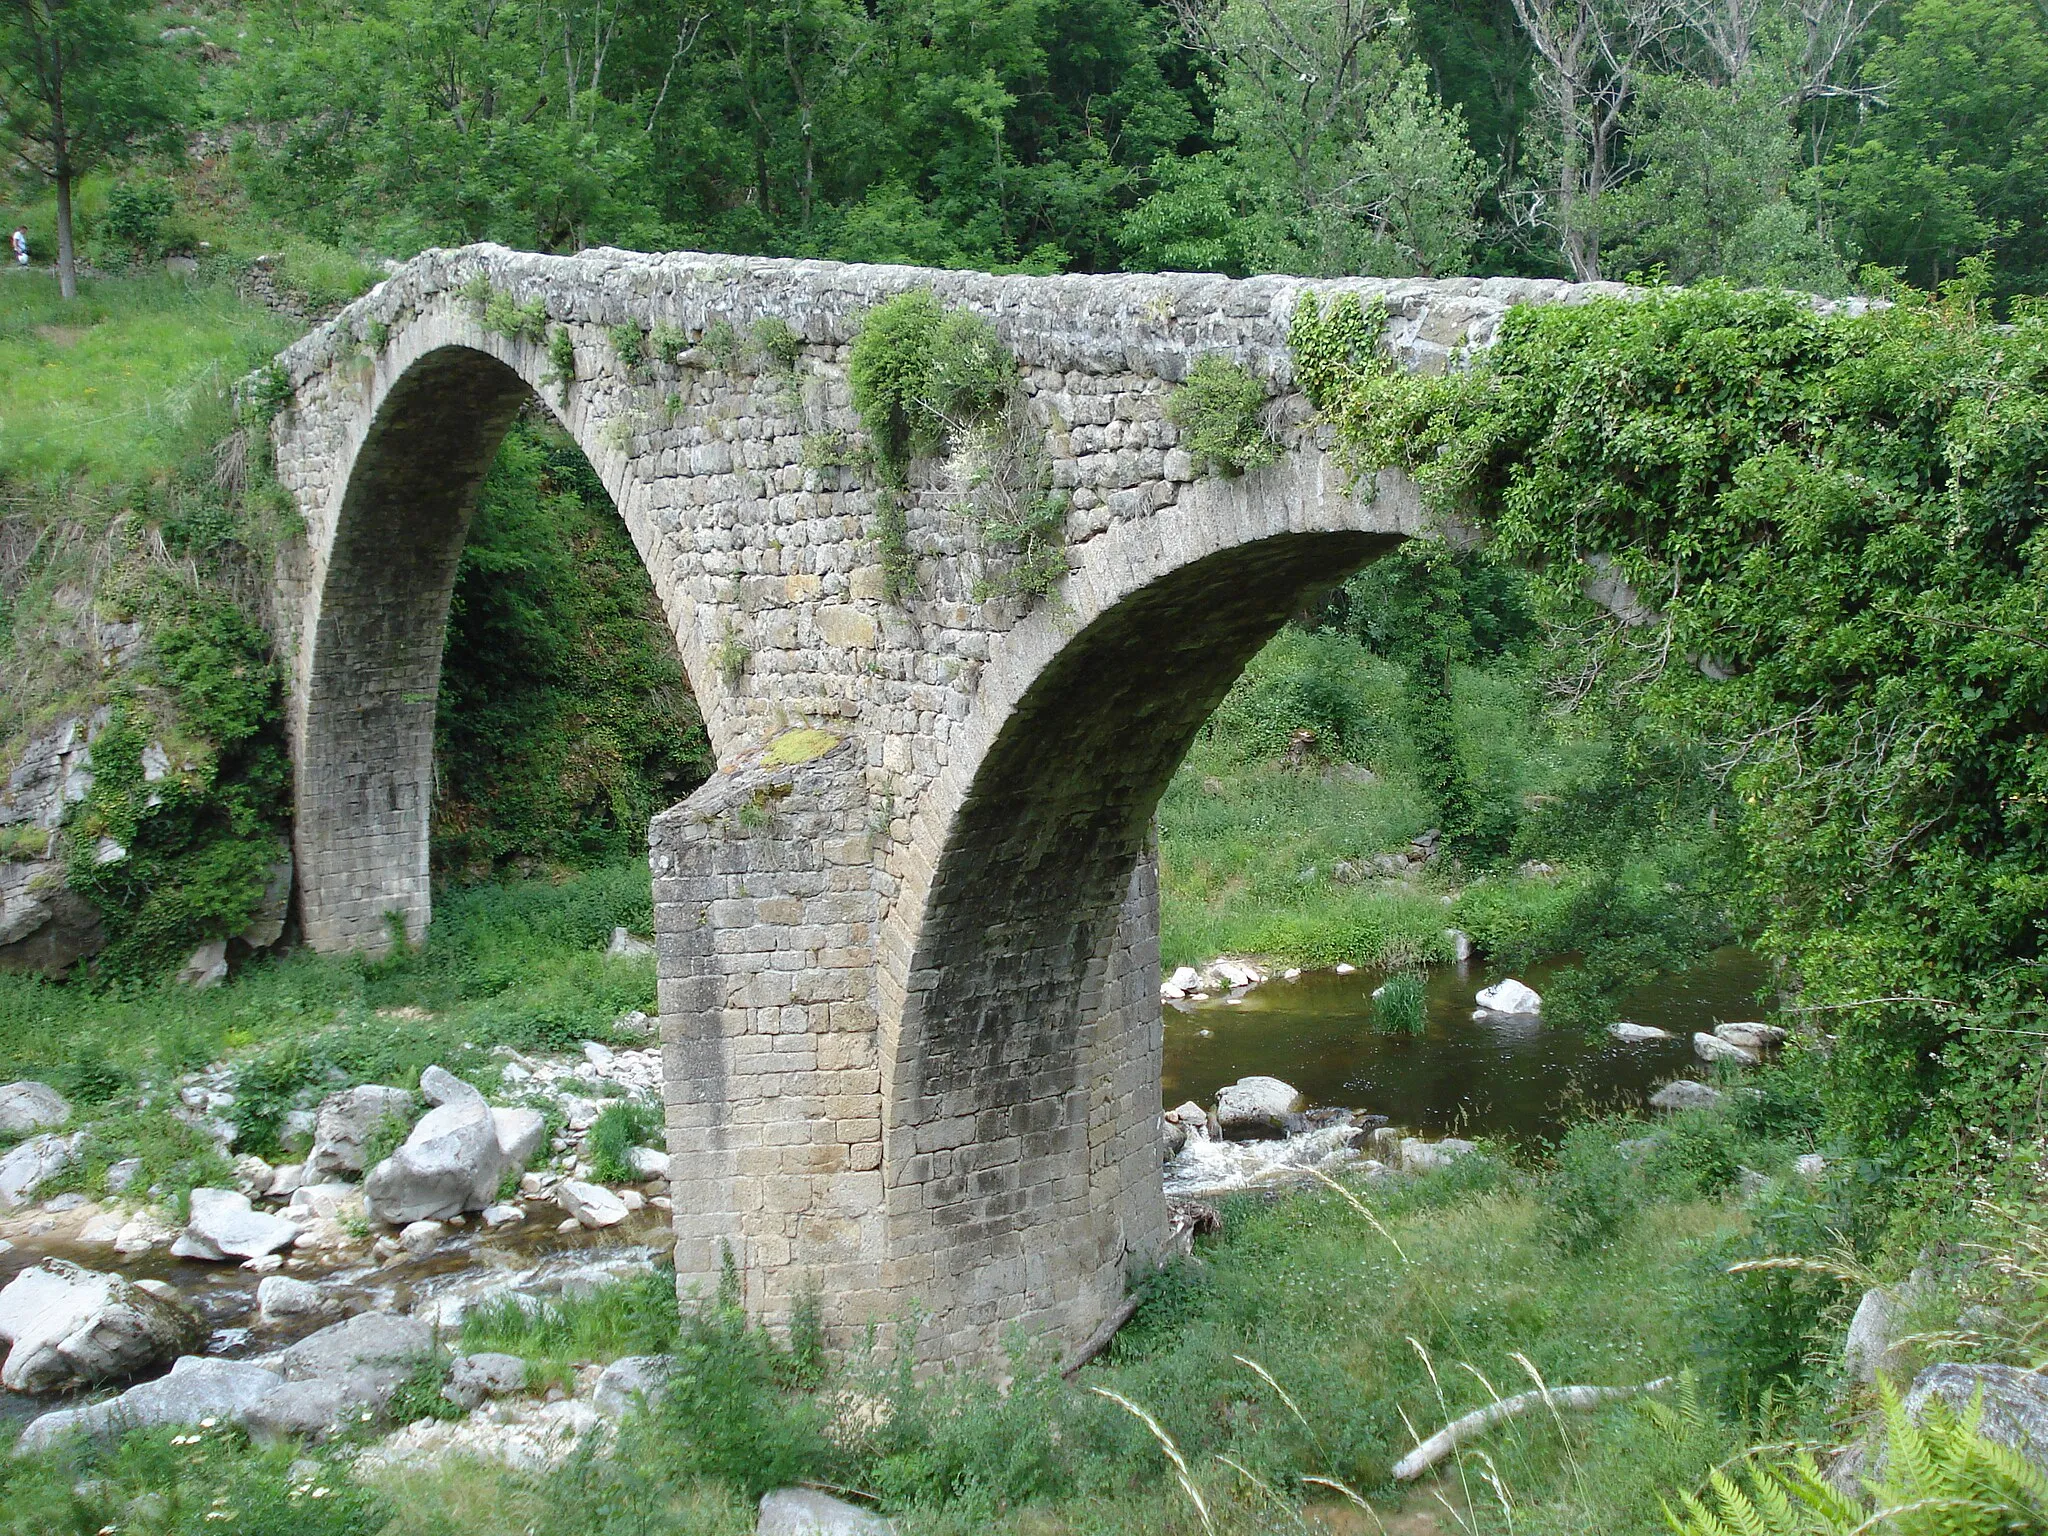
(1399, 1004)
(618, 1129)
(1221, 412)
(887, 369)
(1592, 1191)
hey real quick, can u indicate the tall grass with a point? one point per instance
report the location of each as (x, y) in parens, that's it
(126, 382)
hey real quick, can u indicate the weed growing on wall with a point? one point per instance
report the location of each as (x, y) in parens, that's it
(929, 381)
(505, 316)
(561, 374)
(777, 342)
(1220, 409)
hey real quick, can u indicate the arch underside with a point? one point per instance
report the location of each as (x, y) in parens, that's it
(1023, 1124)
(365, 738)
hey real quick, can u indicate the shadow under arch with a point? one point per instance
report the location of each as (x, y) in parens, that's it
(1016, 1121)
(363, 759)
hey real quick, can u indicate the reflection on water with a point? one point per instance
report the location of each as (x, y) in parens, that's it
(1496, 1076)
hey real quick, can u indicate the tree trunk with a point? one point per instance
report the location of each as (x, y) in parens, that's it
(67, 257)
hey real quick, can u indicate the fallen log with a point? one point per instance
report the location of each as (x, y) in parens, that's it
(1477, 1422)
(1098, 1341)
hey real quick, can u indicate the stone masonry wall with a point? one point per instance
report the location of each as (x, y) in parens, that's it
(908, 986)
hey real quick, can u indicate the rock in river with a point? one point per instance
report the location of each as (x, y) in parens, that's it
(225, 1226)
(1509, 996)
(346, 1122)
(1257, 1106)
(1713, 1048)
(1635, 1034)
(1685, 1094)
(71, 1326)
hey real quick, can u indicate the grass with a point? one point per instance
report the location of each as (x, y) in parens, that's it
(113, 386)
(1317, 1337)
(1251, 839)
(634, 1317)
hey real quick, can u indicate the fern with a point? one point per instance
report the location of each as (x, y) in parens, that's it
(1940, 1478)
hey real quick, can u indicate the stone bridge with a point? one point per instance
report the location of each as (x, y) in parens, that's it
(908, 932)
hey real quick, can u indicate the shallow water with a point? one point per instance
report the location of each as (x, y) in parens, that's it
(1499, 1076)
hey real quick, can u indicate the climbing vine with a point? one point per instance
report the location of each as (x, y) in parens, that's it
(1813, 545)
(929, 381)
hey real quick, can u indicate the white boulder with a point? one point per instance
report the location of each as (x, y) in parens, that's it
(31, 1165)
(70, 1326)
(196, 1389)
(280, 1298)
(1636, 1034)
(1685, 1094)
(1713, 1048)
(1751, 1037)
(1419, 1156)
(1257, 1104)
(225, 1226)
(624, 946)
(592, 1205)
(26, 1108)
(633, 1382)
(345, 1123)
(1509, 996)
(208, 966)
(648, 1162)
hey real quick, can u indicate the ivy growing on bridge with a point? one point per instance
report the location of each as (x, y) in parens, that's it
(929, 381)
(1820, 543)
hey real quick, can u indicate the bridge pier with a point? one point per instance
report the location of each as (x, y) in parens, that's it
(812, 1170)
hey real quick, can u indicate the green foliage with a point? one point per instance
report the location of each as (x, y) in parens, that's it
(1220, 409)
(776, 340)
(1333, 152)
(139, 219)
(618, 1129)
(1593, 1190)
(892, 543)
(629, 344)
(1398, 1004)
(561, 372)
(636, 1316)
(419, 1395)
(731, 653)
(1331, 352)
(185, 1482)
(887, 370)
(201, 836)
(667, 343)
(1957, 162)
(564, 720)
(1940, 1478)
(505, 316)
(729, 1409)
(1833, 513)
(722, 345)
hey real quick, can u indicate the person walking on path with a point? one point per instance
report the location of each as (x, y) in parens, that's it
(20, 246)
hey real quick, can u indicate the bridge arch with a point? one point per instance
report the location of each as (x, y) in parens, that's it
(1022, 1062)
(381, 570)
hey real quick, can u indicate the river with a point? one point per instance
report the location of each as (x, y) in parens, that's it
(1515, 1077)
